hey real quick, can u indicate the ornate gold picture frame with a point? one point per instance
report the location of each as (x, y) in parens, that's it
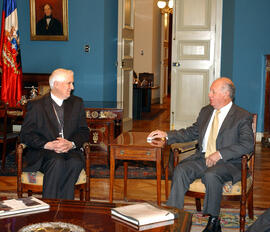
(49, 19)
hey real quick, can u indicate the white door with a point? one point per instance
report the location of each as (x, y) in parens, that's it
(164, 56)
(196, 50)
(125, 59)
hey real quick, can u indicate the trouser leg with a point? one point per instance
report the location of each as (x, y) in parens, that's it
(184, 174)
(53, 171)
(61, 172)
(213, 185)
(73, 166)
(214, 179)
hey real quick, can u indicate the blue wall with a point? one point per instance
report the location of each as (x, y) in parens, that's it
(245, 42)
(227, 38)
(110, 50)
(90, 22)
(248, 46)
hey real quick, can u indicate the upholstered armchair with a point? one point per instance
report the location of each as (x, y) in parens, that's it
(242, 191)
(33, 181)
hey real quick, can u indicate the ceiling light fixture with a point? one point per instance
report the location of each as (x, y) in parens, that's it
(165, 6)
(161, 4)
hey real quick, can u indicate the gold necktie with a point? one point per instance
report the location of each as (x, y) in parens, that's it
(211, 144)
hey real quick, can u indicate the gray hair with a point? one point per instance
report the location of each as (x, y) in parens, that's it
(59, 75)
(229, 86)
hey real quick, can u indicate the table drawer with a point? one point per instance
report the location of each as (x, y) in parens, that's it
(134, 153)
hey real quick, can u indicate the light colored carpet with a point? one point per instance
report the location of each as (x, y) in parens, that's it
(229, 219)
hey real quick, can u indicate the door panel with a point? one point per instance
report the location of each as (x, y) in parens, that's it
(194, 15)
(187, 81)
(125, 59)
(164, 60)
(195, 57)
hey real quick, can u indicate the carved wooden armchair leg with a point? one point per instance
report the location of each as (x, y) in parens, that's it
(242, 217)
(243, 197)
(19, 152)
(87, 171)
(81, 194)
(198, 204)
(250, 204)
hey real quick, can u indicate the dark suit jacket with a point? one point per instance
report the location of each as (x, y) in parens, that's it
(41, 126)
(235, 137)
(262, 224)
(54, 28)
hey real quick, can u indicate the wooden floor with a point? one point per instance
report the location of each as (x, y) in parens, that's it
(146, 189)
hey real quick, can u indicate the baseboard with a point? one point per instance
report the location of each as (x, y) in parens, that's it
(127, 124)
(155, 100)
(259, 136)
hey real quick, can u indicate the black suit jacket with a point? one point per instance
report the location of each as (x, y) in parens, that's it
(54, 28)
(235, 137)
(41, 126)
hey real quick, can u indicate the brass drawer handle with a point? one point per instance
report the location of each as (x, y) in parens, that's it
(122, 152)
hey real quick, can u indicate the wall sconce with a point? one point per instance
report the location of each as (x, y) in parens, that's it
(165, 6)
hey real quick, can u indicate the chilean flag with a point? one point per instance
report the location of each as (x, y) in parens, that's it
(10, 57)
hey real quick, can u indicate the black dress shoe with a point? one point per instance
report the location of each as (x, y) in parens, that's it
(213, 225)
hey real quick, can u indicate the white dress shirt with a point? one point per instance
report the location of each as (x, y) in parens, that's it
(223, 113)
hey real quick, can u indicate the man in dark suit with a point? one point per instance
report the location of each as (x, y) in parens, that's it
(48, 25)
(218, 156)
(54, 130)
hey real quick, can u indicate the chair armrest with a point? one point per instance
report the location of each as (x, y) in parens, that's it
(247, 169)
(182, 151)
(249, 156)
(86, 148)
(19, 150)
(19, 153)
(247, 159)
(21, 146)
(184, 147)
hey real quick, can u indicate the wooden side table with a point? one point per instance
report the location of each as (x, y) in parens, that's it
(134, 146)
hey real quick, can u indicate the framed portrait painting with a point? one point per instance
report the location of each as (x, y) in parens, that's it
(49, 19)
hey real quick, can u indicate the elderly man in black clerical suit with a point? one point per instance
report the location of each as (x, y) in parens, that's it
(49, 25)
(224, 134)
(54, 130)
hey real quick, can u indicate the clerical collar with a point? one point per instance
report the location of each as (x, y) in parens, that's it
(57, 100)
